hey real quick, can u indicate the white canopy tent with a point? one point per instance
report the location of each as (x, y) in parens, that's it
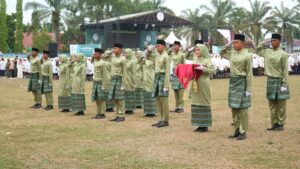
(171, 38)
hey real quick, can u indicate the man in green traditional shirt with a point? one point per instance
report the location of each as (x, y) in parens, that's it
(100, 84)
(117, 86)
(276, 69)
(35, 77)
(240, 85)
(47, 77)
(161, 82)
(177, 57)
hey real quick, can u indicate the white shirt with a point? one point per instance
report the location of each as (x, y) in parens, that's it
(255, 62)
(3, 65)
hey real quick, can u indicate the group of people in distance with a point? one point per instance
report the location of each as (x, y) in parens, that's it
(126, 79)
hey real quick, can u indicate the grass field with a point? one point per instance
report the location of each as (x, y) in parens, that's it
(39, 139)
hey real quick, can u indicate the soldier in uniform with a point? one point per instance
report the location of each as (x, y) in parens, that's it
(35, 77)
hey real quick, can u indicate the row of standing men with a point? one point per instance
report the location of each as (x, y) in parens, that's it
(127, 77)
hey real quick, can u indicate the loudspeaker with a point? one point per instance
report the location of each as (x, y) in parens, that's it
(53, 48)
(204, 35)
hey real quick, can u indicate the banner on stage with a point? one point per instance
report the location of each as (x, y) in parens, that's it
(87, 50)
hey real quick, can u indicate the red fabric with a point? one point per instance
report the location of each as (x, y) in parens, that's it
(186, 72)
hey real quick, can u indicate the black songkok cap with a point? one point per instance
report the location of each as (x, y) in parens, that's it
(161, 42)
(198, 42)
(35, 49)
(98, 50)
(239, 37)
(118, 45)
(46, 52)
(177, 43)
(276, 36)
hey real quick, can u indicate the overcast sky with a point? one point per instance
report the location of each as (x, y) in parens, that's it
(176, 5)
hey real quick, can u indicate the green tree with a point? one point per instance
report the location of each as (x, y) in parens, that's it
(19, 27)
(54, 8)
(217, 16)
(3, 27)
(287, 21)
(11, 31)
(256, 19)
(41, 40)
(192, 32)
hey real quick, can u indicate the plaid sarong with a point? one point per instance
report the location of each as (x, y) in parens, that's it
(149, 103)
(159, 86)
(64, 102)
(109, 104)
(97, 92)
(33, 85)
(139, 97)
(129, 100)
(78, 102)
(176, 85)
(46, 86)
(273, 89)
(236, 96)
(201, 116)
(115, 92)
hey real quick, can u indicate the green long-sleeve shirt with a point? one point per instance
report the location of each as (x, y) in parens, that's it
(148, 74)
(162, 65)
(130, 66)
(35, 66)
(276, 62)
(47, 69)
(240, 64)
(201, 96)
(138, 74)
(177, 58)
(102, 72)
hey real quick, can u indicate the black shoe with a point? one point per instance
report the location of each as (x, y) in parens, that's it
(120, 119)
(273, 127)
(150, 115)
(139, 107)
(236, 134)
(163, 124)
(242, 136)
(49, 108)
(156, 124)
(114, 119)
(80, 113)
(180, 111)
(129, 112)
(99, 116)
(175, 110)
(65, 110)
(109, 110)
(38, 106)
(202, 129)
(33, 106)
(279, 128)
